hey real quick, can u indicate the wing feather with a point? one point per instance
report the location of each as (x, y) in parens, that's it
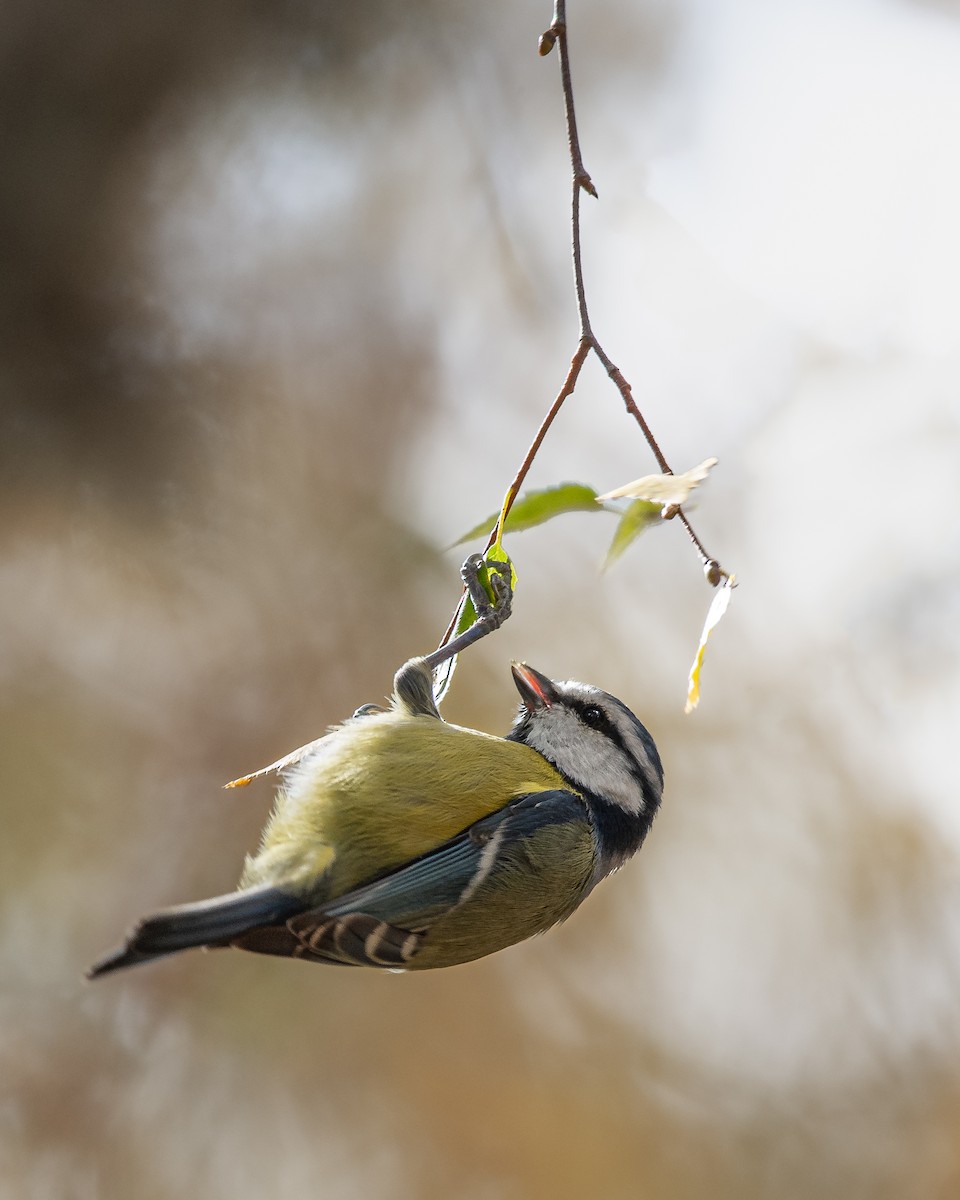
(384, 923)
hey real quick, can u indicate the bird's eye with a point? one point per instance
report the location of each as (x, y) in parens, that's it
(593, 716)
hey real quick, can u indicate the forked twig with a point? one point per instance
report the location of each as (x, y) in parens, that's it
(556, 35)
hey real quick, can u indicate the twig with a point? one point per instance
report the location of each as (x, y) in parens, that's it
(569, 384)
(514, 490)
(556, 35)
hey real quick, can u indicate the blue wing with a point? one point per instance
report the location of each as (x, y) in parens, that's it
(383, 923)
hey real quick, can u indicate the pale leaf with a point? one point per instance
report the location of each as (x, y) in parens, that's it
(281, 764)
(663, 489)
(718, 607)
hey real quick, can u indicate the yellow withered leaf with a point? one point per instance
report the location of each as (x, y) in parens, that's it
(288, 760)
(663, 489)
(718, 607)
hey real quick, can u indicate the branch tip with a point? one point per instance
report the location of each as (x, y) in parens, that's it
(490, 617)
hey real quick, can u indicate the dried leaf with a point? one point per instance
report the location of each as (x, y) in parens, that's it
(663, 489)
(288, 760)
(718, 607)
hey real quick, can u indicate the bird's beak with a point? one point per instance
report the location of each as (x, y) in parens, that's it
(536, 690)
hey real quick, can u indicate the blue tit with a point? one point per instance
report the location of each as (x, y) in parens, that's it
(404, 842)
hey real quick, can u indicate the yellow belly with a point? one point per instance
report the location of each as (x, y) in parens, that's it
(383, 790)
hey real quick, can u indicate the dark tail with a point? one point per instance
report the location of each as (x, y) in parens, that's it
(206, 923)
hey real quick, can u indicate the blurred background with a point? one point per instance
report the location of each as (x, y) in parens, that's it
(286, 292)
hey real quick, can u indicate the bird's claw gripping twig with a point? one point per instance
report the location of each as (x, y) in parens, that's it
(413, 684)
(491, 614)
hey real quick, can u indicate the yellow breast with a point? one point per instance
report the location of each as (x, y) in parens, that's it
(383, 790)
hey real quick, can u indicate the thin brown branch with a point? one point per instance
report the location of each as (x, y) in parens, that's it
(558, 28)
(631, 405)
(581, 179)
(626, 392)
(557, 35)
(569, 384)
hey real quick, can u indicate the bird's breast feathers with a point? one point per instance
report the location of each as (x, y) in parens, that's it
(384, 789)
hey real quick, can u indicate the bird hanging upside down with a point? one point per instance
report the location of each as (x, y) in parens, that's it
(403, 842)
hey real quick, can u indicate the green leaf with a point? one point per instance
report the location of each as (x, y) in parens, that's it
(640, 515)
(466, 616)
(496, 553)
(536, 507)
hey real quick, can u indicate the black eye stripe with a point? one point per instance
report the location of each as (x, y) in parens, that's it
(619, 726)
(609, 729)
(595, 717)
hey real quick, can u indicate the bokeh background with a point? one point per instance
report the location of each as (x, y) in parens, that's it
(285, 294)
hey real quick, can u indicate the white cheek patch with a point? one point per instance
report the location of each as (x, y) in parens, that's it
(614, 782)
(586, 757)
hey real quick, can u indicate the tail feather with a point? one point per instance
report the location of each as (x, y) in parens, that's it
(205, 923)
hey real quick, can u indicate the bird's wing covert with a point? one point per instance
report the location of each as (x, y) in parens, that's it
(382, 924)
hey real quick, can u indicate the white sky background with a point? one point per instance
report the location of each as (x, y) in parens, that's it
(818, 175)
(820, 172)
(785, 293)
(821, 176)
(775, 264)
